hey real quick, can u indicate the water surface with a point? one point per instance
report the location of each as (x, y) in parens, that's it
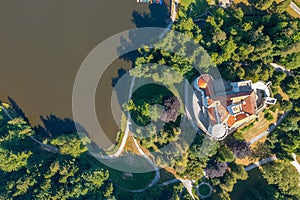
(42, 44)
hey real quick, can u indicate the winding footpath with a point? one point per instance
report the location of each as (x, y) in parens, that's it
(157, 172)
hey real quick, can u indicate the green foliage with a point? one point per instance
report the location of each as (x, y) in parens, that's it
(256, 187)
(186, 3)
(260, 151)
(198, 156)
(225, 184)
(291, 61)
(277, 78)
(225, 154)
(12, 162)
(71, 144)
(282, 6)
(238, 171)
(269, 116)
(285, 140)
(284, 176)
(238, 135)
(263, 4)
(291, 86)
(286, 105)
(28, 172)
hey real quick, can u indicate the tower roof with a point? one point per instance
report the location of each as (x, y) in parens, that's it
(203, 80)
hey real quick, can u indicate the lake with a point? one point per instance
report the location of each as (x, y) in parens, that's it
(43, 43)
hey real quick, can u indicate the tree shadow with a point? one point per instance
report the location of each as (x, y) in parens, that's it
(158, 16)
(115, 80)
(17, 108)
(54, 126)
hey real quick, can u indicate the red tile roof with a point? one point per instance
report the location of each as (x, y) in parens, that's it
(249, 105)
(212, 115)
(240, 117)
(231, 121)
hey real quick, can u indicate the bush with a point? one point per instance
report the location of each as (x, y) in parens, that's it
(238, 135)
(286, 105)
(269, 116)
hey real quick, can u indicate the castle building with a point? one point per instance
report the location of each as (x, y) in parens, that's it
(222, 106)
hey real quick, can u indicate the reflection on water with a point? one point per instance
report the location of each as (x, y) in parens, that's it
(42, 44)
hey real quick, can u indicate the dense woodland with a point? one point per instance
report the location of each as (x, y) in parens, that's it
(242, 41)
(29, 170)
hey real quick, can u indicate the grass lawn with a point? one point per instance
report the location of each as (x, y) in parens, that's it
(131, 180)
(204, 189)
(165, 175)
(149, 91)
(292, 12)
(124, 179)
(260, 126)
(246, 161)
(130, 146)
(248, 188)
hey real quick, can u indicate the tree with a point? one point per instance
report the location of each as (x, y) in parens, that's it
(219, 35)
(238, 171)
(282, 6)
(260, 151)
(291, 86)
(188, 27)
(238, 135)
(268, 116)
(216, 169)
(240, 149)
(283, 175)
(225, 154)
(293, 48)
(29, 172)
(228, 182)
(286, 105)
(263, 4)
(172, 106)
(70, 144)
(11, 161)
